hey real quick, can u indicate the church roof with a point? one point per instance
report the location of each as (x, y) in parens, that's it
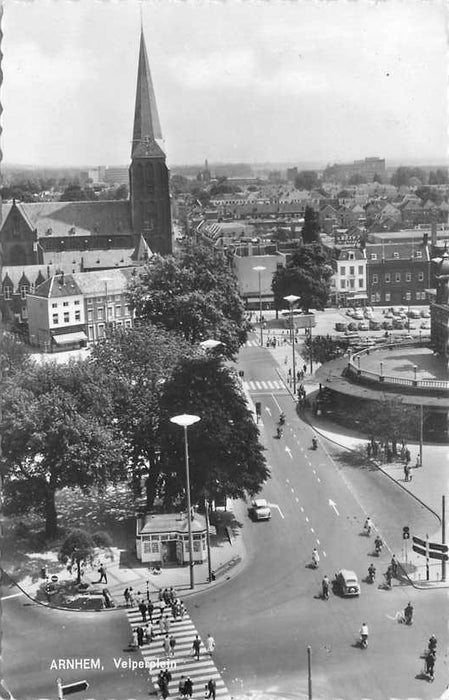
(78, 218)
(147, 133)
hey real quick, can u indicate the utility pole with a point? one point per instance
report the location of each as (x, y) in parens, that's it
(443, 536)
(421, 433)
(309, 671)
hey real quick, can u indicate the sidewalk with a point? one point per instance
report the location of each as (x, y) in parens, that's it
(428, 482)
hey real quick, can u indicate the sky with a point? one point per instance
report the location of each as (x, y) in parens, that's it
(255, 81)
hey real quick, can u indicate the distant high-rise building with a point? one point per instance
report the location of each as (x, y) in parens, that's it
(291, 174)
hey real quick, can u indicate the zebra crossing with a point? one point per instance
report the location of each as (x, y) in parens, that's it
(266, 385)
(182, 663)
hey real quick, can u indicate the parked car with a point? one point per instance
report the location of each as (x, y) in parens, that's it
(425, 313)
(389, 314)
(414, 314)
(350, 311)
(388, 324)
(352, 326)
(363, 325)
(260, 510)
(368, 313)
(341, 326)
(425, 325)
(357, 315)
(374, 324)
(399, 323)
(347, 583)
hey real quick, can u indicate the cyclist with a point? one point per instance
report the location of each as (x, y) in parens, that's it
(364, 632)
(325, 586)
(368, 525)
(315, 558)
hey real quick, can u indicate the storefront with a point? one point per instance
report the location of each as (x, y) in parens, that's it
(163, 539)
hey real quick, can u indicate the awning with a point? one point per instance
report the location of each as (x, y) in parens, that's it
(359, 296)
(67, 338)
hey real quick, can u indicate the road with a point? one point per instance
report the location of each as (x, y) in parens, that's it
(264, 619)
(34, 638)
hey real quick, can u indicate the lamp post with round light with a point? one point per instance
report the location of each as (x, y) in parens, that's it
(291, 299)
(259, 269)
(185, 420)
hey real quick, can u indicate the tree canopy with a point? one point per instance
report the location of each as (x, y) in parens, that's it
(78, 547)
(224, 450)
(195, 294)
(57, 430)
(307, 275)
(306, 180)
(311, 229)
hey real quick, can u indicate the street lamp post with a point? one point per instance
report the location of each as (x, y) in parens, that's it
(291, 299)
(259, 269)
(185, 420)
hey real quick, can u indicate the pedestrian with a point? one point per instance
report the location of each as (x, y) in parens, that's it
(148, 633)
(394, 566)
(211, 688)
(167, 624)
(210, 644)
(140, 635)
(368, 449)
(172, 645)
(160, 595)
(285, 358)
(196, 647)
(143, 610)
(103, 576)
(127, 597)
(407, 456)
(405, 472)
(430, 664)
(132, 600)
(418, 462)
(188, 687)
(163, 680)
(161, 625)
(174, 610)
(388, 577)
(182, 609)
(166, 645)
(166, 596)
(182, 687)
(150, 608)
(134, 639)
(304, 369)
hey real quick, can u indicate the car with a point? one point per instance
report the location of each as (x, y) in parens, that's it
(350, 311)
(389, 314)
(363, 326)
(399, 324)
(425, 313)
(260, 510)
(357, 315)
(368, 313)
(347, 582)
(352, 326)
(375, 324)
(388, 324)
(341, 326)
(425, 325)
(414, 314)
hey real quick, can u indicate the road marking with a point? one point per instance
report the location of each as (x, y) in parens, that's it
(333, 505)
(324, 553)
(275, 505)
(296, 499)
(318, 542)
(307, 519)
(13, 595)
(292, 489)
(312, 530)
(268, 410)
(302, 509)
(289, 452)
(318, 479)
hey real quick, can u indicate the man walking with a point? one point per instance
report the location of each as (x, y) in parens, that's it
(196, 647)
(210, 644)
(211, 688)
(172, 645)
(150, 608)
(103, 576)
(143, 610)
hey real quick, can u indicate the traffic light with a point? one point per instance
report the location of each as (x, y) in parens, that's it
(406, 532)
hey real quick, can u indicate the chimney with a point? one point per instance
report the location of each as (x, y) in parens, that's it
(61, 281)
(433, 229)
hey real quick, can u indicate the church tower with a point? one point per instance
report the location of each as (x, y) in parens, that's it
(148, 172)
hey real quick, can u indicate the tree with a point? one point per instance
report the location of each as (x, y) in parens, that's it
(389, 420)
(402, 175)
(138, 361)
(225, 454)
(311, 229)
(14, 354)
(57, 430)
(307, 275)
(76, 193)
(306, 180)
(195, 294)
(121, 192)
(356, 179)
(78, 547)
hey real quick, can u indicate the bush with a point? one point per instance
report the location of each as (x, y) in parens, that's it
(102, 539)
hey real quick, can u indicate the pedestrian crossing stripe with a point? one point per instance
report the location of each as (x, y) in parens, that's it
(252, 344)
(271, 385)
(182, 663)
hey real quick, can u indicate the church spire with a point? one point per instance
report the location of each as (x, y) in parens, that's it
(147, 134)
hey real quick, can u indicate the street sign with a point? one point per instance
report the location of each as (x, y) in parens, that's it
(431, 550)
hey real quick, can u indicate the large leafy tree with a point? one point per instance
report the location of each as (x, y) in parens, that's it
(311, 228)
(139, 361)
(226, 456)
(58, 431)
(389, 420)
(195, 294)
(307, 275)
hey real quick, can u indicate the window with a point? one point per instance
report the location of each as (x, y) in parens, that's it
(360, 269)
(66, 316)
(375, 279)
(398, 276)
(77, 303)
(373, 256)
(420, 276)
(387, 278)
(128, 323)
(408, 276)
(100, 312)
(351, 284)
(24, 312)
(351, 256)
(360, 283)
(126, 310)
(408, 296)
(110, 312)
(342, 270)
(418, 296)
(118, 311)
(419, 253)
(395, 256)
(387, 296)
(23, 291)
(7, 293)
(54, 305)
(65, 303)
(55, 319)
(101, 330)
(351, 270)
(342, 284)
(90, 314)
(77, 315)
(373, 298)
(90, 301)
(90, 332)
